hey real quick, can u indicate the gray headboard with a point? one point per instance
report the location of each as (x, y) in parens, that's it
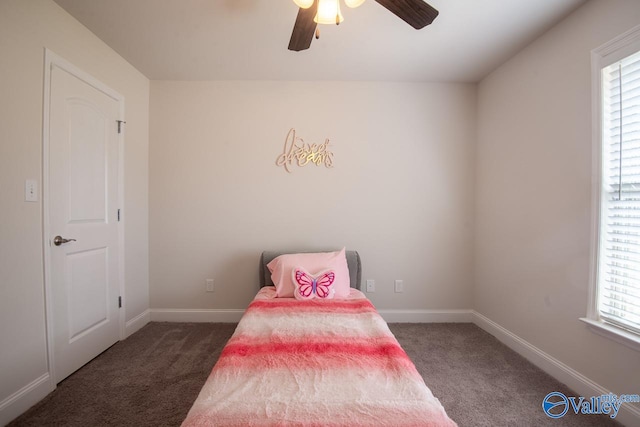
(353, 262)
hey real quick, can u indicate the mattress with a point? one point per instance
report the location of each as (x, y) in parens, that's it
(314, 362)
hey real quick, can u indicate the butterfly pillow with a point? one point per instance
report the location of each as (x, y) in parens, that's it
(308, 286)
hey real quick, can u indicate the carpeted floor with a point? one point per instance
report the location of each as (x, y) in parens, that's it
(153, 377)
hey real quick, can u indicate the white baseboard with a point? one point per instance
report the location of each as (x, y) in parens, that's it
(233, 316)
(196, 315)
(427, 316)
(134, 325)
(628, 415)
(16, 404)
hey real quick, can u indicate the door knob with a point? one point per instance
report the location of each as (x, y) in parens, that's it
(58, 240)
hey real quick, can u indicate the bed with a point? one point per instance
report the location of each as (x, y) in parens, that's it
(314, 361)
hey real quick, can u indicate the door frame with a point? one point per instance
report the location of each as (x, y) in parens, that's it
(51, 60)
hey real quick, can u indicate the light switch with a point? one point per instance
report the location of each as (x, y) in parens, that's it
(31, 190)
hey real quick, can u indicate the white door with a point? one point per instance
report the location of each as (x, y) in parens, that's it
(83, 194)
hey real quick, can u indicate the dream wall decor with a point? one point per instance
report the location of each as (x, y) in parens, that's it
(296, 151)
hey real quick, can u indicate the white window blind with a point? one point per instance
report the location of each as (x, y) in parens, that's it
(619, 255)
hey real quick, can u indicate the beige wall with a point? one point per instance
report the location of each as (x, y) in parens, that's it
(26, 28)
(400, 192)
(533, 207)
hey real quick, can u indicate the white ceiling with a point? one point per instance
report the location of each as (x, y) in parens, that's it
(248, 39)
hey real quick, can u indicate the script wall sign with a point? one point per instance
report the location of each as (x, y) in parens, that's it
(296, 151)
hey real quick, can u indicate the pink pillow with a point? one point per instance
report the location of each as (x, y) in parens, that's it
(281, 269)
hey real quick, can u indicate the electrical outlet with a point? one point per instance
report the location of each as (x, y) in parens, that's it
(399, 286)
(209, 285)
(371, 285)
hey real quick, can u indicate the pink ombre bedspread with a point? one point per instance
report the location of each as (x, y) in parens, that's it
(314, 363)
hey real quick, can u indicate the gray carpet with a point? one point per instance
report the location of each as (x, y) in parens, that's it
(153, 377)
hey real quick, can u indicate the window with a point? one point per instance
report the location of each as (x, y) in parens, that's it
(619, 254)
(615, 294)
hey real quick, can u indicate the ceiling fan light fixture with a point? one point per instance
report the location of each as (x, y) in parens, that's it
(416, 13)
(304, 4)
(353, 3)
(328, 12)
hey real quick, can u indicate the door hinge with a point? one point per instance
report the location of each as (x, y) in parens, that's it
(119, 302)
(120, 122)
(118, 215)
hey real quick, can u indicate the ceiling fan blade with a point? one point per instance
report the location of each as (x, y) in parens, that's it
(304, 28)
(416, 13)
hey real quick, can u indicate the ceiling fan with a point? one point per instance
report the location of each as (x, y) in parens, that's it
(416, 13)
